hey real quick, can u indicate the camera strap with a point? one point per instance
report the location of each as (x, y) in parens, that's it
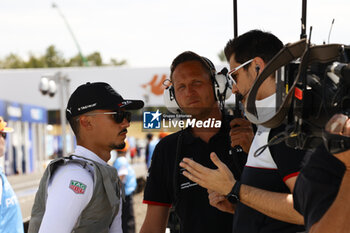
(289, 53)
(321, 53)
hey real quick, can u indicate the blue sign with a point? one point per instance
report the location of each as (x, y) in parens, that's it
(14, 111)
(151, 120)
(34, 114)
(2, 108)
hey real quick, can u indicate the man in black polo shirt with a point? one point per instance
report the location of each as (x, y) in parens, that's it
(262, 198)
(192, 78)
(322, 189)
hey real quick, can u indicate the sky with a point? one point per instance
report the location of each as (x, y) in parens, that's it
(151, 33)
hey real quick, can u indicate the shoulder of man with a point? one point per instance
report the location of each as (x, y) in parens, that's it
(73, 176)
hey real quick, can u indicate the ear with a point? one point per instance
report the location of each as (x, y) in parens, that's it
(85, 122)
(258, 64)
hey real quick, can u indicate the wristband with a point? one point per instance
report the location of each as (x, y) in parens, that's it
(233, 196)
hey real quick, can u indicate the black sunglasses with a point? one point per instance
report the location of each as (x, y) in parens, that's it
(117, 116)
(4, 135)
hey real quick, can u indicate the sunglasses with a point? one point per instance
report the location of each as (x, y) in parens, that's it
(117, 116)
(4, 135)
(233, 76)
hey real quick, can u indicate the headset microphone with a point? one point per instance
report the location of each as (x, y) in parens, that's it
(257, 68)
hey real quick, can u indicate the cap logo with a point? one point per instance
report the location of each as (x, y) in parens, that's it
(87, 106)
(124, 103)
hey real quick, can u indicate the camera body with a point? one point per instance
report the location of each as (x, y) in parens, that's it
(322, 90)
(312, 84)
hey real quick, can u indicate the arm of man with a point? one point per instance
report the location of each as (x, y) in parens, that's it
(156, 219)
(63, 205)
(273, 204)
(241, 133)
(158, 192)
(219, 201)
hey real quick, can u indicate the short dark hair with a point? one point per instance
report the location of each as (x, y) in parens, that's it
(191, 56)
(74, 124)
(254, 43)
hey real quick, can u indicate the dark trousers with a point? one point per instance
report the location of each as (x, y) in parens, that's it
(128, 218)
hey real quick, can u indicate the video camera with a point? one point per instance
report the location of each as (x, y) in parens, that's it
(312, 84)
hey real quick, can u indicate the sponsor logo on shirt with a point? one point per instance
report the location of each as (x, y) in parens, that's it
(77, 187)
(186, 183)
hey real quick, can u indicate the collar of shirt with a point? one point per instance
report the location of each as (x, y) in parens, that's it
(86, 153)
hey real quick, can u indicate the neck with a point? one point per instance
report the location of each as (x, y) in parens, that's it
(266, 89)
(103, 153)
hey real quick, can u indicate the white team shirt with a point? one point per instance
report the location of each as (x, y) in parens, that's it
(63, 205)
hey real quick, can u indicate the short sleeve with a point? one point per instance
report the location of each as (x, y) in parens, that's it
(287, 159)
(158, 181)
(317, 185)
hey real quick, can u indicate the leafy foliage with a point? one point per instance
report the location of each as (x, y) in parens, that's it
(222, 56)
(54, 58)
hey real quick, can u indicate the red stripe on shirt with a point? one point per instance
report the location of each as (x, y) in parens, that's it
(266, 168)
(156, 203)
(290, 176)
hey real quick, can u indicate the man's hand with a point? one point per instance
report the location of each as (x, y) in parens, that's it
(220, 202)
(220, 180)
(340, 124)
(241, 133)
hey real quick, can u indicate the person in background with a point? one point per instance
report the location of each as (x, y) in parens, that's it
(153, 144)
(149, 138)
(10, 212)
(127, 175)
(132, 148)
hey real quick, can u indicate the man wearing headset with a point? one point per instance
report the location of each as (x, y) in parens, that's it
(82, 193)
(262, 199)
(193, 78)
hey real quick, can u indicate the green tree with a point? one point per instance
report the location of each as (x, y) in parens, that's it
(35, 62)
(75, 61)
(95, 59)
(222, 56)
(12, 61)
(53, 58)
(115, 62)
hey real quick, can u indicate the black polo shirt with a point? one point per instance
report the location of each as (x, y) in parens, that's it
(268, 171)
(317, 185)
(193, 208)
